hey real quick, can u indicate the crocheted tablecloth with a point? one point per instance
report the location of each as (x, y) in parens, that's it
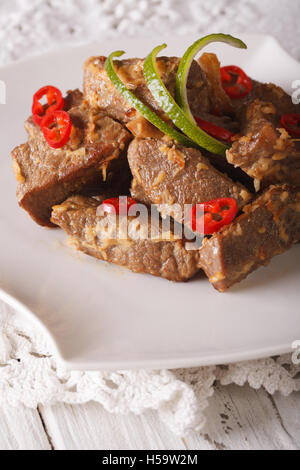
(29, 374)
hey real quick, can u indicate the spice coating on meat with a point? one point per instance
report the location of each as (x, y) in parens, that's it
(273, 94)
(268, 227)
(138, 193)
(219, 99)
(99, 91)
(94, 153)
(163, 256)
(174, 175)
(265, 151)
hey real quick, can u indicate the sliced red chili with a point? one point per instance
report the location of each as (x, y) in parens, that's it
(56, 128)
(55, 102)
(291, 122)
(209, 217)
(235, 82)
(214, 131)
(116, 205)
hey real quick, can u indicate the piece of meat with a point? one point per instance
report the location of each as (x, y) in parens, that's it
(99, 91)
(173, 176)
(268, 227)
(73, 99)
(138, 193)
(94, 158)
(219, 99)
(264, 150)
(143, 129)
(273, 94)
(96, 235)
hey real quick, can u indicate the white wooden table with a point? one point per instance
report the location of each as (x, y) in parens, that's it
(238, 418)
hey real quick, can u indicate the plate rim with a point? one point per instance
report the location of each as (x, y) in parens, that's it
(210, 360)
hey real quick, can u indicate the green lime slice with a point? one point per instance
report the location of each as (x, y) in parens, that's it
(150, 115)
(171, 108)
(186, 62)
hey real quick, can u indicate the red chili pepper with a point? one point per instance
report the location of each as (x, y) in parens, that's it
(56, 128)
(209, 217)
(55, 102)
(235, 82)
(291, 122)
(214, 131)
(115, 206)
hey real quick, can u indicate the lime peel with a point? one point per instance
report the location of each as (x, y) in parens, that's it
(173, 110)
(143, 109)
(186, 62)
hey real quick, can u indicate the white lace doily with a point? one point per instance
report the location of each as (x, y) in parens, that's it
(29, 374)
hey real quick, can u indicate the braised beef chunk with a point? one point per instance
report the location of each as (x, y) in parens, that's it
(219, 100)
(273, 94)
(138, 193)
(99, 91)
(92, 233)
(265, 151)
(93, 158)
(172, 176)
(140, 127)
(268, 227)
(73, 99)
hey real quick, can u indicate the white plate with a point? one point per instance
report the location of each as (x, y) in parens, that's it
(101, 316)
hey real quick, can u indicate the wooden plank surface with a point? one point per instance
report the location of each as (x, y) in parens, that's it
(243, 418)
(289, 413)
(22, 429)
(238, 418)
(91, 427)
